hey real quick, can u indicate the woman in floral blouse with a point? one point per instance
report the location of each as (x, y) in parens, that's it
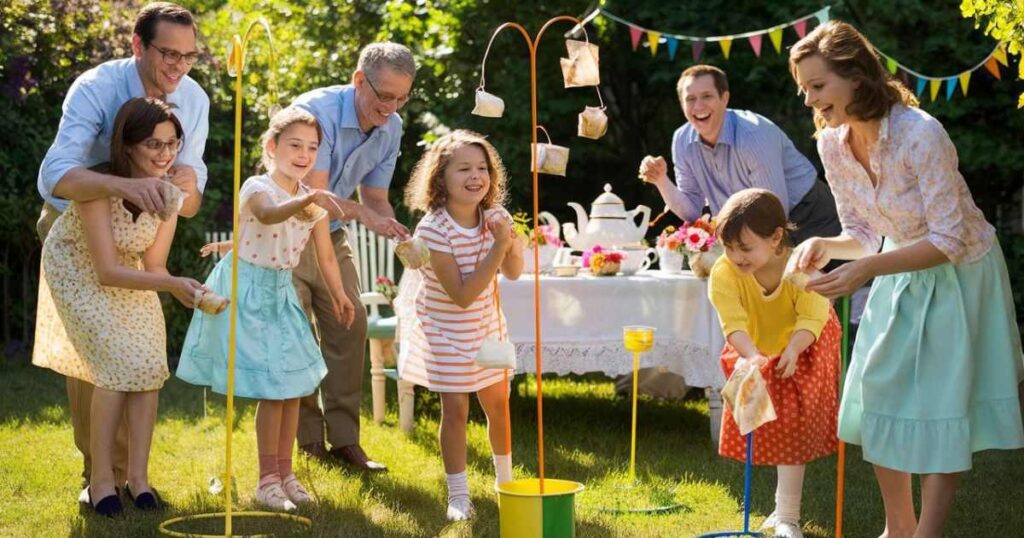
(937, 361)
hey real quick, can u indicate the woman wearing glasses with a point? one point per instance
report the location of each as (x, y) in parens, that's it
(102, 264)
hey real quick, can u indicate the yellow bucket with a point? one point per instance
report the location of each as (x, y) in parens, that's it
(525, 512)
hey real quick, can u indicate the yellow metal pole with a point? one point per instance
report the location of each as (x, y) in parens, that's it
(632, 439)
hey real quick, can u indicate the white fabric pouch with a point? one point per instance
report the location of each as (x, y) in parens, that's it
(496, 354)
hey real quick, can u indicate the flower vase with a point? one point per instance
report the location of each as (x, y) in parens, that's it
(670, 261)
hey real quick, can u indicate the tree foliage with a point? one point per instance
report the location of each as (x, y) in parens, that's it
(1004, 21)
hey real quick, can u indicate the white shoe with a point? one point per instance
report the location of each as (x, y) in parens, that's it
(272, 496)
(781, 528)
(294, 490)
(460, 509)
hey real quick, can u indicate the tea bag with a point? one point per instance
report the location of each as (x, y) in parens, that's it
(747, 397)
(593, 123)
(210, 302)
(581, 67)
(488, 105)
(797, 277)
(173, 199)
(413, 253)
(553, 159)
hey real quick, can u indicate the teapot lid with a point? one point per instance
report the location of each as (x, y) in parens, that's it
(607, 198)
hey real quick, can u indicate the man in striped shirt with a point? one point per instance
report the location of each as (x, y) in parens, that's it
(720, 151)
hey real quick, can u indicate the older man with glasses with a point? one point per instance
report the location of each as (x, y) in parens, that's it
(163, 52)
(361, 136)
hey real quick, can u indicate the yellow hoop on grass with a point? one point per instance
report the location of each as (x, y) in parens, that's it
(236, 67)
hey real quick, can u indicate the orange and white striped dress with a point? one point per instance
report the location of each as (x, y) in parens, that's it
(438, 339)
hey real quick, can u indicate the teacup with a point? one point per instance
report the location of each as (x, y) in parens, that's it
(637, 259)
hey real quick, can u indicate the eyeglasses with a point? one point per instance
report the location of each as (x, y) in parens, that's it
(388, 98)
(172, 57)
(157, 145)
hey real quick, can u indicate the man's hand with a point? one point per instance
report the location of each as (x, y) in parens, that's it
(144, 192)
(184, 177)
(654, 170)
(381, 225)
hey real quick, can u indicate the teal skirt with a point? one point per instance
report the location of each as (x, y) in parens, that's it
(276, 355)
(935, 368)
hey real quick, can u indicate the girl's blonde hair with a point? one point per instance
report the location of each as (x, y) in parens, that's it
(280, 122)
(425, 191)
(851, 56)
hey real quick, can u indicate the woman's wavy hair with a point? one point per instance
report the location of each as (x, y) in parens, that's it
(426, 192)
(134, 123)
(851, 56)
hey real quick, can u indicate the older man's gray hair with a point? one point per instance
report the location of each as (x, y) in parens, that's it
(391, 55)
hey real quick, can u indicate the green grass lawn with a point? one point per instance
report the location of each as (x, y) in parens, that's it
(587, 440)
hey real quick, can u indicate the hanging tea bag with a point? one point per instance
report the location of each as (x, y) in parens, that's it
(413, 253)
(552, 159)
(173, 198)
(747, 396)
(581, 67)
(488, 105)
(797, 277)
(593, 122)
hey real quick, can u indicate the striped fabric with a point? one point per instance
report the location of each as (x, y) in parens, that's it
(438, 339)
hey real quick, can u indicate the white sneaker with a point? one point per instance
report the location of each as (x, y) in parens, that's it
(272, 496)
(781, 528)
(460, 509)
(294, 490)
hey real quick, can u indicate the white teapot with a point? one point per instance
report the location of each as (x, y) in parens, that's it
(609, 224)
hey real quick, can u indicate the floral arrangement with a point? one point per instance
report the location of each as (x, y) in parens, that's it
(698, 236)
(387, 288)
(545, 234)
(601, 261)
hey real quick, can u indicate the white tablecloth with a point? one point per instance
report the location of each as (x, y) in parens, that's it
(582, 319)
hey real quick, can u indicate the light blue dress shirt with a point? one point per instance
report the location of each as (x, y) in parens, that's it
(750, 152)
(87, 122)
(348, 155)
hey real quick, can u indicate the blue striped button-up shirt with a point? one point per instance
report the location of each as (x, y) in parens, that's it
(750, 152)
(87, 122)
(348, 155)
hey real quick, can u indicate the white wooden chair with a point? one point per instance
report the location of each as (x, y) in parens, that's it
(373, 256)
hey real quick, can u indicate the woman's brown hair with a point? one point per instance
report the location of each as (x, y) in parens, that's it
(134, 123)
(758, 210)
(425, 191)
(851, 56)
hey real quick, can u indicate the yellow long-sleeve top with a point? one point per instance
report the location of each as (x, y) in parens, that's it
(769, 319)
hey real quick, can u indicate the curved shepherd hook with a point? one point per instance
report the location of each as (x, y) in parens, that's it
(532, 44)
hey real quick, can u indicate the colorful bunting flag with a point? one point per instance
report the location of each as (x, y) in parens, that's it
(822, 14)
(634, 36)
(933, 87)
(950, 87)
(993, 67)
(698, 47)
(1000, 55)
(673, 43)
(652, 39)
(890, 64)
(776, 36)
(726, 44)
(965, 79)
(801, 28)
(755, 43)
(920, 86)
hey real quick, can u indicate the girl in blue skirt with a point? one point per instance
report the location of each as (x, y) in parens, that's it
(937, 362)
(277, 360)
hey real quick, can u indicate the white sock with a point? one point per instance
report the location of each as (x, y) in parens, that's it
(502, 468)
(788, 492)
(458, 486)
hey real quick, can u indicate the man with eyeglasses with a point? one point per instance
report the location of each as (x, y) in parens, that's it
(163, 51)
(361, 136)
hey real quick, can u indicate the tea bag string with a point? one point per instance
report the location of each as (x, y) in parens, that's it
(483, 63)
(546, 135)
(599, 99)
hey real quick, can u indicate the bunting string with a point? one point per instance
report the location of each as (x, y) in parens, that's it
(756, 37)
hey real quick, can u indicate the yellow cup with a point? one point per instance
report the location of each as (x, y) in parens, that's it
(638, 338)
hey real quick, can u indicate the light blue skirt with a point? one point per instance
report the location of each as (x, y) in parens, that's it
(276, 356)
(935, 368)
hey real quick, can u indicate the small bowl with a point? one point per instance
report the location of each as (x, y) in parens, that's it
(566, 270)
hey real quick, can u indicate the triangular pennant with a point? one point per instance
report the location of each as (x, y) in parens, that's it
(890, 64)
(634, 36)
(776, 36)
(920, 86)
(755, 43)
(698, 48)
(965, 79)
(673, 44)
(801, 28)
(653, 38)
(1000, 55)
(822, 15)
(933, 87)
(950, 87)
(726, 44)
(993, 67)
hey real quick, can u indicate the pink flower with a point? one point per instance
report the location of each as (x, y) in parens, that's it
(696, 239)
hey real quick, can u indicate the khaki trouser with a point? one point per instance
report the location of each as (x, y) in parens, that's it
(344, 350)
(80, 393)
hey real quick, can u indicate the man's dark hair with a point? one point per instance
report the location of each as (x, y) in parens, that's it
(154, 13)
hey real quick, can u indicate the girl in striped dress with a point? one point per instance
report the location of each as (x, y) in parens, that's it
(447, 308)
